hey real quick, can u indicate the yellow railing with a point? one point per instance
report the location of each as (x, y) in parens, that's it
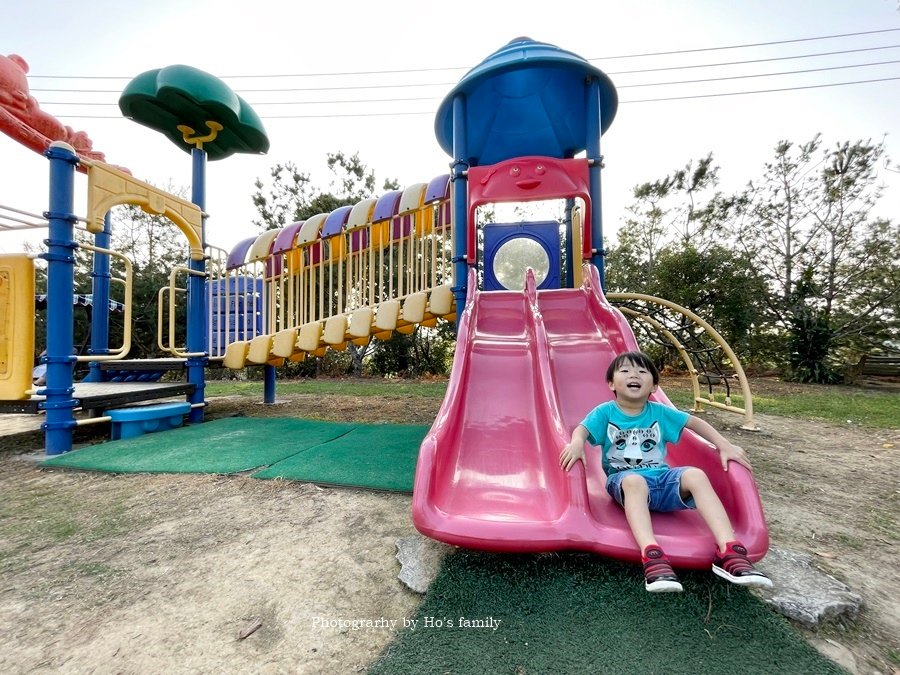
(717, 339)
(326, 290)
(127, 282)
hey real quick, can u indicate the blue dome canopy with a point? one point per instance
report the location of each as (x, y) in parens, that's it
(527, 98)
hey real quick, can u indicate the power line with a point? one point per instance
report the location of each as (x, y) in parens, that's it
(744, 77)
(762, 91)
(358, 100)
(428, 70)
(624, 86)
(752, 44)
(450, 84)
(646, 100)
(258, 91)
(743, 63)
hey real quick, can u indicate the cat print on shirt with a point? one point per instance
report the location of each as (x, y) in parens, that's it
(634, 448)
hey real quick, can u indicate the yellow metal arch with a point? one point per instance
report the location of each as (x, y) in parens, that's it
(749, 423)
(109, 187)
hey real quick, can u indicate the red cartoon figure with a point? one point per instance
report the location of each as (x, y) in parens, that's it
(22, 119)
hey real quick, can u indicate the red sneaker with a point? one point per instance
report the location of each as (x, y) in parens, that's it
(659, 577)
(734, 566)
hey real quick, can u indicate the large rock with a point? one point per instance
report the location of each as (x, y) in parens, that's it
(420, 560)
(803, 593)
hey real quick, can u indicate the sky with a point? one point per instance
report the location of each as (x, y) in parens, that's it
(404, 57)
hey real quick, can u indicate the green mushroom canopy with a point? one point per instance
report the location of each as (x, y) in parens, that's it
(193, 108)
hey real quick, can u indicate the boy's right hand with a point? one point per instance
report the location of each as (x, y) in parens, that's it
(570, 454)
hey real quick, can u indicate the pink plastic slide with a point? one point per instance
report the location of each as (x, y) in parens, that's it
(529, 366)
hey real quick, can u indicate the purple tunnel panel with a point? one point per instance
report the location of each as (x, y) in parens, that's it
(438, 188)
(386, 206)
(285, 239)
(238, 255)
(334, 223)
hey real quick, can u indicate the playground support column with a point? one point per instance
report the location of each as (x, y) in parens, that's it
(459, 199)
(60, 285)
(592, 144)
(196, 310)
(100, 277)
(269, 371)
(573, 257)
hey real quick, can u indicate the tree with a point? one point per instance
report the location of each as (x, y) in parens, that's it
(663, 211)
(155, 246)
(830, 271)
(293, 197)
(718, 284)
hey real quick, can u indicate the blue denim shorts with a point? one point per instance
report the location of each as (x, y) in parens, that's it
(665, 490)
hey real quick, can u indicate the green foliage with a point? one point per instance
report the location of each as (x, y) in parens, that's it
(426, 351)
(792, 270)
(292, 196)
(832, 273)
(717, 284)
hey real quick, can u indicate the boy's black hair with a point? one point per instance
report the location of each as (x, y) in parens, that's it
(639, 359)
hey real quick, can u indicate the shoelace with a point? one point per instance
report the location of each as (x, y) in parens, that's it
(658, 569)
(737, 565)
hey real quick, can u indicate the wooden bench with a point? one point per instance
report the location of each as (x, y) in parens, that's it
(880, 366)
(875, 366)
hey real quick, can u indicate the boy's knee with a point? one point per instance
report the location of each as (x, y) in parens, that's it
(634, 483)
(693, 477)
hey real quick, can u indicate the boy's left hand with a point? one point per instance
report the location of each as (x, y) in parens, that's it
(730, 452)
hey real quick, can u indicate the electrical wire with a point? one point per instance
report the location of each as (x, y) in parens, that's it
(621, 86)
(427, 70)
(646, 100)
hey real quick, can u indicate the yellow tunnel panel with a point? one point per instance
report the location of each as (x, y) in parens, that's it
(236, 355)
(284, 343)
(259, 349)
(16, 326)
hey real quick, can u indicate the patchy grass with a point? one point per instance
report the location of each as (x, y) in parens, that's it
(31, 521)
(839, 405)
(844, 406)
(329, 386)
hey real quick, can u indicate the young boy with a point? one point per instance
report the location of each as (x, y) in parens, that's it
(633, 433)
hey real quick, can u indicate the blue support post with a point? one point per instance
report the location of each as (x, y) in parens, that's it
(100, 277)
(268, 384)
(595, 158)
(459, 197)
(196, 296)
(60, 258)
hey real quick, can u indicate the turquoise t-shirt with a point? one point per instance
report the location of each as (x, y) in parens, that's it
(635, 442)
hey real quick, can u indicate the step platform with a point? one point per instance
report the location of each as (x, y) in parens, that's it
(147, 419)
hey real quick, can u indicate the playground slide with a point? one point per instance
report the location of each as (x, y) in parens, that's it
(529, 366)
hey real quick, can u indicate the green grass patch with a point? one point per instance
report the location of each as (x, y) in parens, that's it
(874, 409)
(334, 387)
(893, 656)
(32, 521)
(847, 407)
(96, 570)
(882, 522)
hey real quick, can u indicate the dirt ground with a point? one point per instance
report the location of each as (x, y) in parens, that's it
(163, 573)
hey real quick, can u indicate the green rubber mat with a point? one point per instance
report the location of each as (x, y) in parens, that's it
(579, 613)
(377, 456)
(233, 445)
